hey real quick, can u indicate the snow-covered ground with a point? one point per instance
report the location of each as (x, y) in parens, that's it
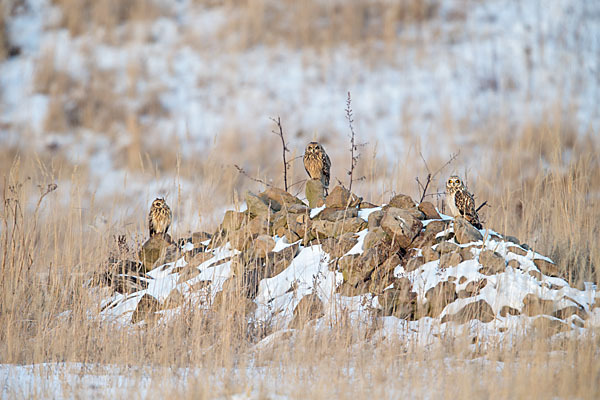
(448, 80)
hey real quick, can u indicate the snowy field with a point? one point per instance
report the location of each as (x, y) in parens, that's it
(189, 83)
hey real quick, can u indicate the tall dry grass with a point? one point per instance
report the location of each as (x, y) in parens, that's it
(49, 253)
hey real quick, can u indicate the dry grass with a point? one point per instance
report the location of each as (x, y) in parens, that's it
(48, 254)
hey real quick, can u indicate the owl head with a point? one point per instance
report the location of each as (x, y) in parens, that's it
(453, 184)
(159, 202)
(314, 148)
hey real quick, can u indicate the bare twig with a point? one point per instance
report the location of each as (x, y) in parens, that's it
(353, 146)
(431, 176)
(481, 206)
(243, 172)
(285, 149)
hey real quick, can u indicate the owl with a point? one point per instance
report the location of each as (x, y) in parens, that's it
(159, 218)
(317, 163)
(460, 201)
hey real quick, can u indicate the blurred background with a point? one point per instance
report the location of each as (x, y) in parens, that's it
(119, 101)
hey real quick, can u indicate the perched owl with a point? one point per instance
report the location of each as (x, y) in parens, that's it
(159, 218)
(460, 201)
(317, 163)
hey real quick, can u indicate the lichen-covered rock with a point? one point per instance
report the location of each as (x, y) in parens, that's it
(450, 260)
(547, 268)
(492, 262)
(256, 205)
(465, 232)
(315, 193)
(402, 201)
(279, 199)
(373, 238)
(429, 210)
(400, 226)
(337, 214)
(262, 245)
(157, 250)
(337, 247)
(480, 310)
(374, 219)
(439, 296)
(341, 198)
(325, 229)
(447, 247)
(430, 254)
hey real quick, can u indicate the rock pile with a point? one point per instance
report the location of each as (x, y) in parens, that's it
(287, 263)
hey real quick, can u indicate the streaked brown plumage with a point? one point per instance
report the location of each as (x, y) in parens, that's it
(460, 201)
(159, 218)
(317, 163)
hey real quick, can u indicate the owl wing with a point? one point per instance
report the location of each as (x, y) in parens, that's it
(150, 224)
(466, 206)
(306, 161)
(326, 169)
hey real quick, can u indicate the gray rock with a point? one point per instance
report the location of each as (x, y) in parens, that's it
(465, 232)
(447, 247)
(400, 226)
(315, 193)
(337, 214)
(450, 260)
(375, 219)
(279, 199)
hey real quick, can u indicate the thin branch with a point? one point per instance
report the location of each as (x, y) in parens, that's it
(353, 147)
(285, 149)
(242, 171)
(481, 206)
(430, 176)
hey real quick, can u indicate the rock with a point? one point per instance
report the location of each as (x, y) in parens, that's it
(240, 239)
(198, 258)
(465, 232)
(366, 204)
(423, 240)
(349, 290)
(566, 312)
(291, 236)
(547, 268)
(146, 307)
(462, 280)
(157, 250)
(450, 260)
(400, 226)
(296, 209)
(506, 310)
(536, 274)
(374, 237)
(429, 210)
(342, 198)
(416, 213)
(402, 201)
(233, 220)
(277, 262)
(279, 222)
(447, 247)
(439, 297)
(399, 301)
(480, 310)
(514, 264)
(262, 245)
(430, 254)
(325, 229)
(512, 239)
(375, 219)
(301, 226)
(532, 305)
(492, 262)
(517, 250)
(548, 326)
(256, 205)
(199, 237)
(474, 287)
(414, 263)
(357, 268)
(435, 227)
(338, 214)
(337, 247)
(315, 193)
(279, 199)
(310, 307)
(466, 253)
(259, 225)
(127, 284)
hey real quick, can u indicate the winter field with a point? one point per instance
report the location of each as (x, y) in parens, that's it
(118, 102)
